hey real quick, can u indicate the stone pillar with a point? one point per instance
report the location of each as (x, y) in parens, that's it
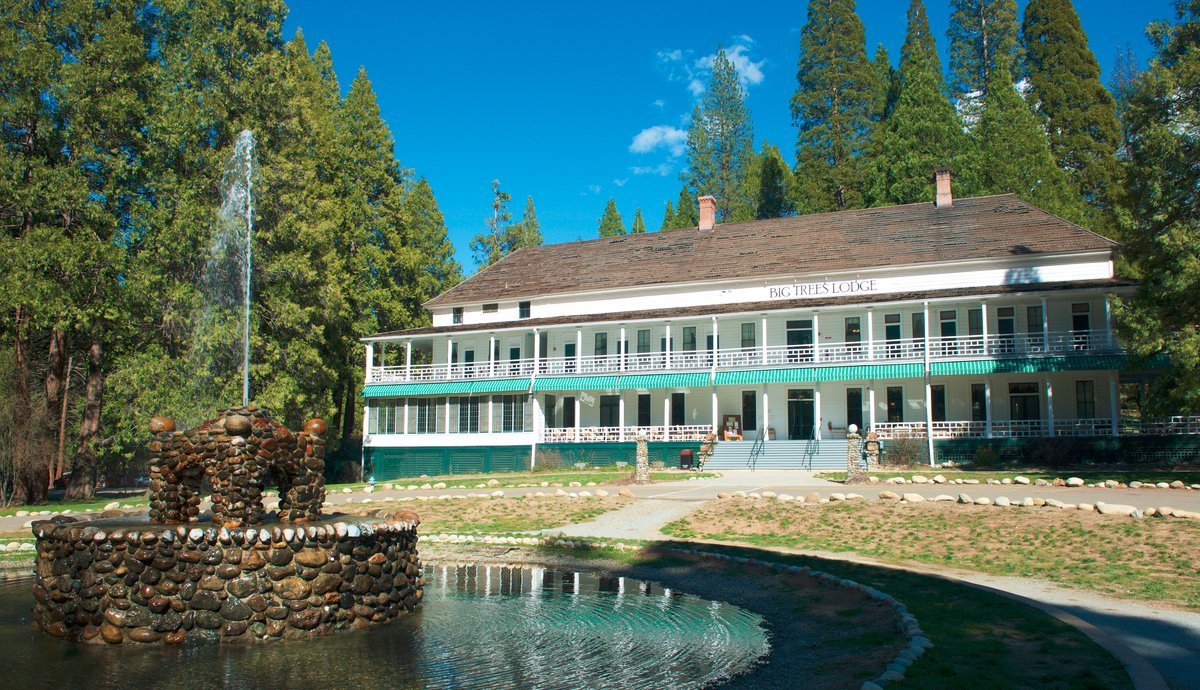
(641, 470)
(854, 471)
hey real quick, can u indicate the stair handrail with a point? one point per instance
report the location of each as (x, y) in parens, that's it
(811, 448)
(757, 449)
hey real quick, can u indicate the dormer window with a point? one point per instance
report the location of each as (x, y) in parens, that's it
(491, 308)
(456, 315)
(523, 310)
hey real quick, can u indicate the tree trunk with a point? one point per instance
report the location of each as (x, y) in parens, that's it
(29, 476)
(55, 388)
(62, 422)
(83, 475)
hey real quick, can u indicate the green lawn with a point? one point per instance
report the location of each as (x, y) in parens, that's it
(76, 506)
(1151, 559)
(598, 475)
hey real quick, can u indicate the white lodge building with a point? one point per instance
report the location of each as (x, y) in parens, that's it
(962, 320)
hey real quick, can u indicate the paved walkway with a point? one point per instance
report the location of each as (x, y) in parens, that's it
(1168, 639)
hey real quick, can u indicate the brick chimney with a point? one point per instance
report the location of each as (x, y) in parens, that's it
(944, 198)
(708, 212)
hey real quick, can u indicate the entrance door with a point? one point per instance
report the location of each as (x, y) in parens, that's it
(891, 334)
(551, 410)
(802, 416)
(568, 412)
(854, 405)
(1081, 326)
(678, 410)
(1006, 329)
(800, 340)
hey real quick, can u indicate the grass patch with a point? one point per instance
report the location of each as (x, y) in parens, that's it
(499, 516)
(1091, 476)
(982, 640)
(75, 506)
(510, 480)
(1153, 560)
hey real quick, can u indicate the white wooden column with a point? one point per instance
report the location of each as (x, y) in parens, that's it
(716, 423)
(491, 355)
(667, 415)
(766, 419)
(1114, 403)
(578, 413)
(578, 351)
(407, 360)
(983, 307)
(817, 344)
(764, 344)
(929, 416)
(383, 354)
(871, 406)
(447, 427)
(1049, 407)
(539, 423)
(405, 415)
(871, 341)
(491, 415)
(1108, 323)
(537, 352)
(716, 347)
(925, 335)
(817, 406)
(621, 415)
(449, 364)
(370, 362)
(624, 355)
(668, 348)
(1045, 327)
(987, 408)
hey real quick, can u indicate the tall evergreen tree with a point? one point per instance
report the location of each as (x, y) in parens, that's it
(923, 132)
(980, 32)
(493, 244)
(1163, 232)
(774, 185)
(720, 140)
(886, 85)
(668, 221)
(639, 223)
(1122, 85)
(833, 107)
(1066, 92)
(611, 224)
(687, 212)
(527, 233)
(919, 36)
(1014, 154)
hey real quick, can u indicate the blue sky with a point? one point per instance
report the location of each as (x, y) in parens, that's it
(574, 103)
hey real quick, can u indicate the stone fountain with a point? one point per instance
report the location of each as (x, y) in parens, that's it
(239, 573)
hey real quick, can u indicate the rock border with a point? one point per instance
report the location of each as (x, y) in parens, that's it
(1070, 482)
(815, 498)
(918, 641)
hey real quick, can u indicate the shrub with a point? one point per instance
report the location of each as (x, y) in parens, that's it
(549, 460)
(906, 451)
(986, 456)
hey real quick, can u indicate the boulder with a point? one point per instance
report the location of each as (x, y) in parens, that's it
(1111, 484)
(964, 498)
(1002, 501)
(920, 479)
(1075, 481)
(914, 498)
(813, 498)
(724, 494)
(784, 498)
(1162, 485)
(1178, 484)
(626, 493)
(1135, 485)
(939, 479)
(1058, 482)
(942, 498)
(984, 501)
(837, 497)
(1116, 509)
(970, 481)
(1023, 481)
(888, 496)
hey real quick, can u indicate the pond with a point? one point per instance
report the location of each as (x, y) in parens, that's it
(491, 626)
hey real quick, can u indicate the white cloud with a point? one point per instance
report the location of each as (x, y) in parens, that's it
(620, 182)
(678, 65)
(662, 169)
(659, 136)
(594, 188)
(659, 103)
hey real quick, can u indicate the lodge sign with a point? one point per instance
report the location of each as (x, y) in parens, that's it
(829, 287)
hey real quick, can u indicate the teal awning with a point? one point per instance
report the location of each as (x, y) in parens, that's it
(394, 390)
(636, 381)
(856, 372)
(979, 367)
(576, 383)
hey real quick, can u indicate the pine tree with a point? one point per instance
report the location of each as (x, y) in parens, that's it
(923, 132)
(1014, 154)
(1163, 231)
(527, 233)
(1122, 85)
(720, 141)
(611, 224)
(773, 194)
(425, 231)
(1066, 92)
(919, 35)
(639, 224)
(493, 244)
(980, 31)
(687, 211)
(886, 85)
(834, 104)
(668, 221)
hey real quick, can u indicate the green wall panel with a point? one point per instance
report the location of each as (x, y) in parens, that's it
(386, 464)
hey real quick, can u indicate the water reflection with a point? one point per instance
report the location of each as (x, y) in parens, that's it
(481, 626)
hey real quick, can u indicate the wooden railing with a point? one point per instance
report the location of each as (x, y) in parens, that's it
(1038, 428)
(613, 434)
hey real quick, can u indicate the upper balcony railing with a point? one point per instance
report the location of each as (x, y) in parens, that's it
(887, 350)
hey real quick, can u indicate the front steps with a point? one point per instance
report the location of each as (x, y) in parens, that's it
(829, 454)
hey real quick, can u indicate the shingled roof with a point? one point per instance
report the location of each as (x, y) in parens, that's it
(991, 227)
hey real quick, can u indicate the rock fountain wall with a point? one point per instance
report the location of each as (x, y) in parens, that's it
(101, 582)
